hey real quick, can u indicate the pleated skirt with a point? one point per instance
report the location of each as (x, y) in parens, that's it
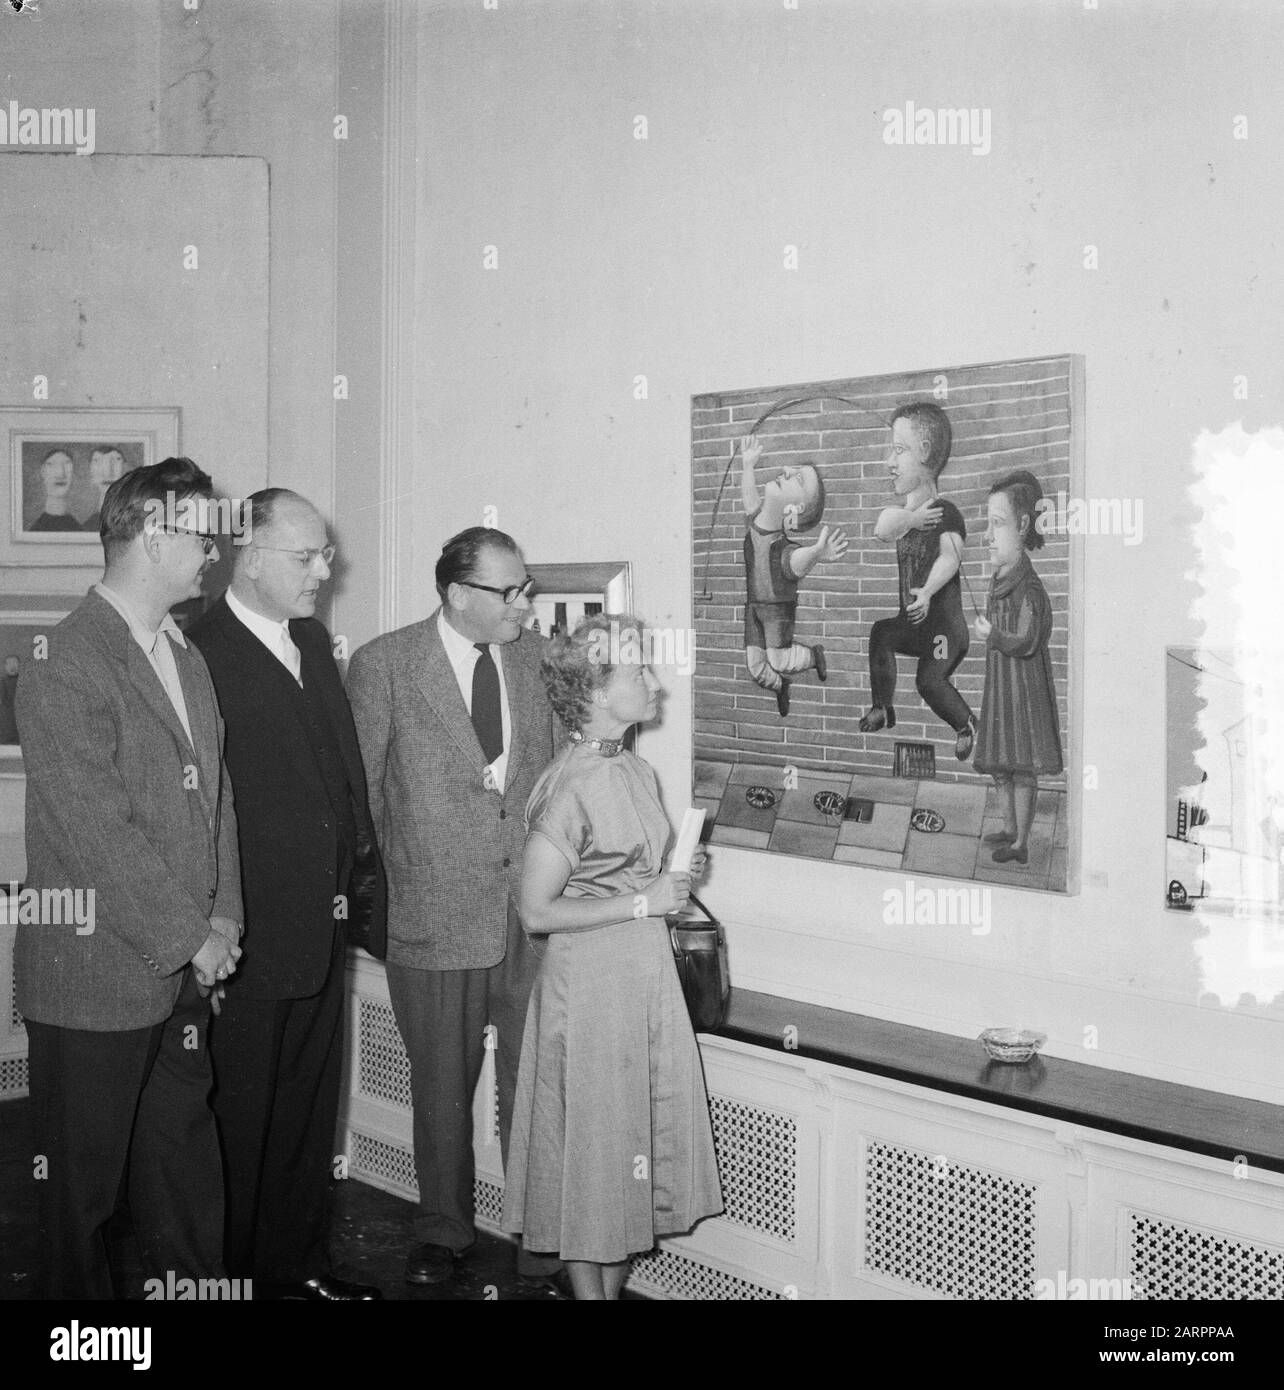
(611, 1142)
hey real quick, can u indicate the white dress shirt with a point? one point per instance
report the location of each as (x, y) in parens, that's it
(463, 657)
(158, 652)
(274, 636)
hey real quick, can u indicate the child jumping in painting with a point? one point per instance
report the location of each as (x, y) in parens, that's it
(1020, 735)
(794, 500)
(928, 531)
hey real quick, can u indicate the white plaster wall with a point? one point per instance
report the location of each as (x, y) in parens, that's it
(618, 257)
(143, 282)
(257, 78)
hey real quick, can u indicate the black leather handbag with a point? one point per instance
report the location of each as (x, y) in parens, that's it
(700, 954)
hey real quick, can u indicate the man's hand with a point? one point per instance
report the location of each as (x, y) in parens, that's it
(982, 626)
(927, 517)
(215, 996)
(216, 960)
(750, 450)
(916, 611)
(229, 928)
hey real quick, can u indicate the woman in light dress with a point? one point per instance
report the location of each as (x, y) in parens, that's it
(611, 1143)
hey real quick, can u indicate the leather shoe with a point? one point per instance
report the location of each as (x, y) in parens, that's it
(822, 666)
(558, 1283)
(430, 1264)
(325, 1288)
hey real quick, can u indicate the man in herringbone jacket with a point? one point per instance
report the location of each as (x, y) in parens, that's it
(455, 727)
(128, 798)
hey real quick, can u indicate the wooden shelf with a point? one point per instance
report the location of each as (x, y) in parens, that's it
(1159, 1112)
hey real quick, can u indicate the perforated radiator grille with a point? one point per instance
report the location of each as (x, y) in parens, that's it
(758, 1165)
(383, 1069)
(488, 1198)
(671, 1275)
(382, 1164)
(1167, 1260)
(960, 1231)
(392, 1167)
(15, 1018)
(13, 1077)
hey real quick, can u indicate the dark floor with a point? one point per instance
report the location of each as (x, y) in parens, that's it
(370, 1236)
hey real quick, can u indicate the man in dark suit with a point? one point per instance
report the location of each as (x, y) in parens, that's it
(455, 727)
(304, 823)
(127, 798)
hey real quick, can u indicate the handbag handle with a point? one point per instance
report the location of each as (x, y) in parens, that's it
(708, 915)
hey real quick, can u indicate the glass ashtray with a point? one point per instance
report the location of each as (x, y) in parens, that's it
(1011, 1044)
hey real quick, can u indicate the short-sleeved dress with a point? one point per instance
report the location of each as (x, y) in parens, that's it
(611, 1142)
(1019, 731)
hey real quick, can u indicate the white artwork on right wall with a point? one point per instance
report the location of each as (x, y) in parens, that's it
(1225, 820)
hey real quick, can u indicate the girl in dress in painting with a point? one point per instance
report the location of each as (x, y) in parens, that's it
(611, 1142)
(1019, 738)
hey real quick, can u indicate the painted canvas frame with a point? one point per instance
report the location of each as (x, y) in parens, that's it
(24, 620)
(566, 593)
(801, 776)
(60, 461)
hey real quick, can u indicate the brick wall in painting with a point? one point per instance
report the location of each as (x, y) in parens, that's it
(1004, 416)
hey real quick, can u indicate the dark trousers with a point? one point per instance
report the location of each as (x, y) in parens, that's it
(127, 1109)
(278, 1064)
(937, 662)
(442, 1016)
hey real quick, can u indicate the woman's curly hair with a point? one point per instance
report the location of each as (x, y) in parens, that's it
(579, 662)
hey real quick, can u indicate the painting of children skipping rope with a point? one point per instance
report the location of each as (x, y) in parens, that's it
(897, 584)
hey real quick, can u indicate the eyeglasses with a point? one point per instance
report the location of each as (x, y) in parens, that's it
(207, 541)
(304, 557)
(510, 595)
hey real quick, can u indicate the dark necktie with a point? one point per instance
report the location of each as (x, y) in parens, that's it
(487, 719)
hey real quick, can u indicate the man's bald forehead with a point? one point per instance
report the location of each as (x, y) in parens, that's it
(292, 511)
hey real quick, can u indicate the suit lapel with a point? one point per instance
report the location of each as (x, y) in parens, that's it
(202, 715)
(435, 677)
(517, 684)
(328, 688)
(143, 675)
(203, 745)
(282, 695)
